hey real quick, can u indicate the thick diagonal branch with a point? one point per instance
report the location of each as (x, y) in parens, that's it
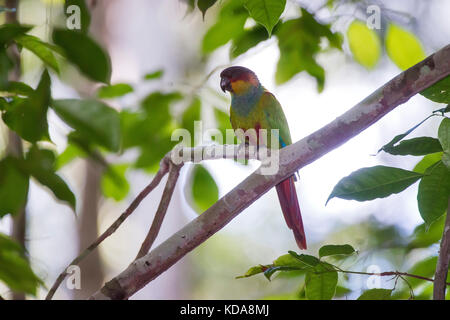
(292, 158)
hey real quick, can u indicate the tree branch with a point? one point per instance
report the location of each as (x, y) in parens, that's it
(292, 158)
(440, 277)
(162, 209)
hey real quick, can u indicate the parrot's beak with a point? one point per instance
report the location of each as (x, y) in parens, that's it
(225, 84)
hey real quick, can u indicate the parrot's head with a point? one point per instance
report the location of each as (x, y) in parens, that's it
(238, 80)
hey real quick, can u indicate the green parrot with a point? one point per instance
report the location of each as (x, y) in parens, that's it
(253, 107)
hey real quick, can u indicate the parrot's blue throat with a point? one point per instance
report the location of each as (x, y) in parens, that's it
(243, 103)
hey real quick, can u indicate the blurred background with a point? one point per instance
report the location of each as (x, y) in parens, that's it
(167, 54)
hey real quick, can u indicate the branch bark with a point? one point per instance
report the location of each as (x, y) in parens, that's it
(174, 173)
(440, 277)
(292, 158)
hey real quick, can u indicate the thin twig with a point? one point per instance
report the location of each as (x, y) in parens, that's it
(164, 167)
(174, 172)
(391, 273)
(443, 261)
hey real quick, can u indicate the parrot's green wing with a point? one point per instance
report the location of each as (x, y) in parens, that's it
(274, 118)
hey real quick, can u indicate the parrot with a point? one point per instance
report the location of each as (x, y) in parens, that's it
(254, 107)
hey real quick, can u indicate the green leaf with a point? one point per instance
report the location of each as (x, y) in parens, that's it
(18, 88)
(416, 147)
(40, 163)
(204, 189)
(85, 16)
(321, 282)
(330, 250)
(70, 153)
(40, 49)
(427, 162)
(253, 271)
(190, 115)
(342, 291)
(403, 47)
(13, 187)
(28, 117)
(114, 183)
(15, 270)
(247, 40)
(154, 75)
(374, 182)
(114, 91)
(204, 5)
(376, 294)
(229, 26)
(438, 92)
(85, 53)
(364, 44)
(434, 191)
(399, 137)
(266, 12)
(305, 258)
(9, 32)
(424, 235)
(425, 268)
(288, 260)
(94, 120)
(444, 139)
(299, 43)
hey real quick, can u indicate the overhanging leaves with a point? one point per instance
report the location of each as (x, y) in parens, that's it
(374, 182)
(40, 163)
(229, 25)
(15, 270)
(9, 32)
(416, 147)
(85, 53)
(265, 12)
(364, 44)
(403, 47)
(376, 294)
(40, 49)
(444, 139)
(13, 187)
(114, 91)
(92, 119)
(331, 250)
(28, 117)
(439, 92)
(434, 191)
(204, 5)
(204, 189)
(321, 282)
(299, 43)
(247, 40)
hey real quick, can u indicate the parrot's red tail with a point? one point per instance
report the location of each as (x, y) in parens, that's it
(291, 210)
